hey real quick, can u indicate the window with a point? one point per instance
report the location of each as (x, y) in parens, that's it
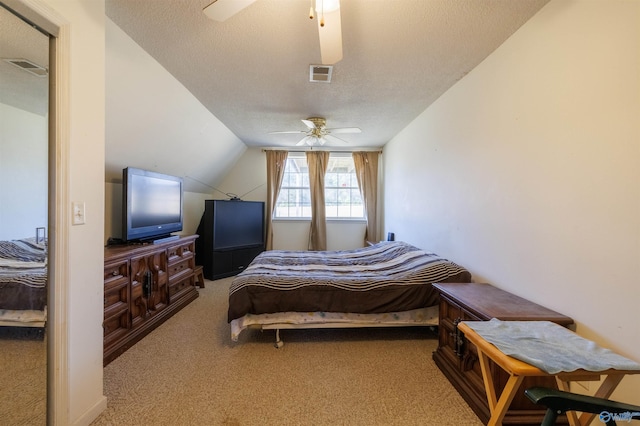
(342, 194)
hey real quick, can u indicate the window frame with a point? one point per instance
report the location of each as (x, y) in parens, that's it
(332, 155)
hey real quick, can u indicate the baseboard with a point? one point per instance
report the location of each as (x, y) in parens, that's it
(90, 415)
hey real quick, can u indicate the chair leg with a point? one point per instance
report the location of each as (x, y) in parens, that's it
(549, 418)
(199, 276)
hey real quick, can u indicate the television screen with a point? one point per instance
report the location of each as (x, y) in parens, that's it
(237, 224)
(152, 204)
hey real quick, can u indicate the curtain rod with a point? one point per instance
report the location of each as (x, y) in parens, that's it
(310, 149)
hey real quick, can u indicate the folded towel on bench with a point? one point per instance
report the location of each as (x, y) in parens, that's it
(549, 346)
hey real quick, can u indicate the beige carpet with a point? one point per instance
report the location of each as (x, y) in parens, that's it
(188, 371)
(23, 376)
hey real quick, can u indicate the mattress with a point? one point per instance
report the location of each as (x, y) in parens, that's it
(382, 278)
(23, 275)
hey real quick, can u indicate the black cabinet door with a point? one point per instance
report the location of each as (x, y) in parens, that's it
(222, 263)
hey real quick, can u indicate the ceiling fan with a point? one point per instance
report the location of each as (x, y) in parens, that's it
(317, 133)
(329, 23)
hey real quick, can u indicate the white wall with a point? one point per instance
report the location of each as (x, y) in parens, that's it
(528, 170)
(153, 122)
(341, 234)
(247, 178)
(146, 103)
(82, 257)
(23, 172)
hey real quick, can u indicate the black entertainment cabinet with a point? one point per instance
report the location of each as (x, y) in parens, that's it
(231, 236)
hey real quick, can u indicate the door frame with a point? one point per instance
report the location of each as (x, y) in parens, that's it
(48, 20)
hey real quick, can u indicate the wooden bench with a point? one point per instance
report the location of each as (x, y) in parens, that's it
(518, 370)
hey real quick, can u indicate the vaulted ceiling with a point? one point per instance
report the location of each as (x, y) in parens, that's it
(252, 70)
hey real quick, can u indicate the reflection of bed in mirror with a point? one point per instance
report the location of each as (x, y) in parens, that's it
(388, 284)
(23, 283)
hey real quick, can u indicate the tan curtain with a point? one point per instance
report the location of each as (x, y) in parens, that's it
(366, 164)
(276, 162)
(318, 162)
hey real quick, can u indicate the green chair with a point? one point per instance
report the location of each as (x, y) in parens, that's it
(559, 402)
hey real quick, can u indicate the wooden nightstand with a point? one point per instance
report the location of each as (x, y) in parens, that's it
(458, 359)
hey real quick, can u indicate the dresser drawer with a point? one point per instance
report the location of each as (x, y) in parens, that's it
(180, 252)
(116, 298)
(116, 324)
(116, 301)
(180, 270)
(179, 288)
(115, 275)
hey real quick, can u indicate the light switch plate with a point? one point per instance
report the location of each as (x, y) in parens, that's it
(78, 213)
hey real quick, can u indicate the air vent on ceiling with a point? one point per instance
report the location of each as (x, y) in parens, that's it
(320, 73)
(29, 67)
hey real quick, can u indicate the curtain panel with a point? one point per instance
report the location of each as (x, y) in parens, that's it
(366, 164)
(276, 162)
(318, 162)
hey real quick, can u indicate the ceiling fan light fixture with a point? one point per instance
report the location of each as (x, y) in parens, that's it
(314, 141)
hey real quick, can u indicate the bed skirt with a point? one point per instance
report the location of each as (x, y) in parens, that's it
(287, 320)
(23, 318)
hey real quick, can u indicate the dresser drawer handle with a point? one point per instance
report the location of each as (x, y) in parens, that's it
(458, 340)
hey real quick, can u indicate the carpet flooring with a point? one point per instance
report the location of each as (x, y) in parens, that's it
(189, 372)
(23, 376)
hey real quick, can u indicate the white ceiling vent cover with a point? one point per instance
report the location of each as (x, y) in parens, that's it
(320, 73)
(29, 67)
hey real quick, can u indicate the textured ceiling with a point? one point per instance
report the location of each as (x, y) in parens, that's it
(252, 71)
(18, 88)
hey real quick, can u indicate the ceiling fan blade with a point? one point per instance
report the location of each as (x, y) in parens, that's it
(303, 141)
(345, 130)
(310, 124)
(335, 138)
(330, 36)
(289, 131)
(221, 10)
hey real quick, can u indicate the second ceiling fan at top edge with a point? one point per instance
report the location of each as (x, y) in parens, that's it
(329, 23)
(329, 31)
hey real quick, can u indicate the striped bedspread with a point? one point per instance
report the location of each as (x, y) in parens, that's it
(385, 277)
(25, 250)
(23, 275)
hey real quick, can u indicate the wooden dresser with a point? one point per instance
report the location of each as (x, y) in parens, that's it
(458, 359)
(144, 285)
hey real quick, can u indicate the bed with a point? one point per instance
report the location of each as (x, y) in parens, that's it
(382, 285)
(23, 283)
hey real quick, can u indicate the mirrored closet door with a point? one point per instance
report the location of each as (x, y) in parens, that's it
(24, 83)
